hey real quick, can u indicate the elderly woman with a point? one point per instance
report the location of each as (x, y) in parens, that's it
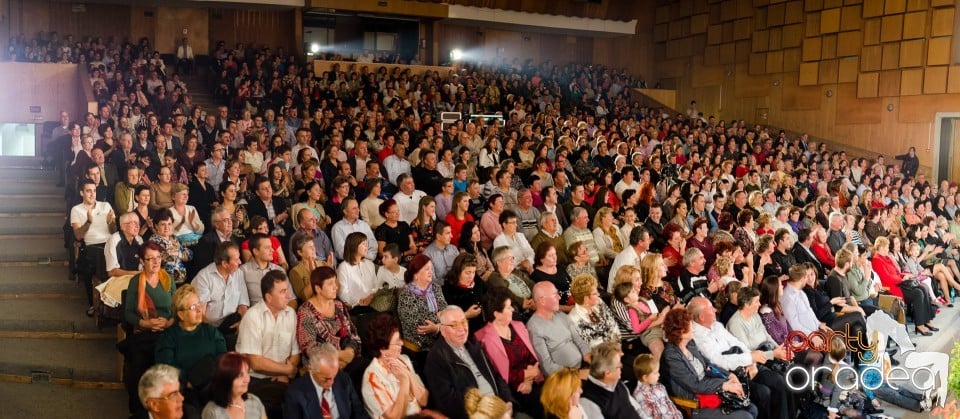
(190, 344)
(463, 290)
(187, 225)
(514, 239)
(687, 368)
(173, 253)
(148, 310)
(580, 264)
(545, 260)
(161, 191)
(514, 280)
(159, 392)
(561, 395)
(610, 241)
(507, 345)
(322, 318)
(229, 396)
(747, 325)
(917, 301)
(418, 303)
(390, 387)
(591, 316)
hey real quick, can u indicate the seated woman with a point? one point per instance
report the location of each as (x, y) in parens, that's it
(470, 243)
(356, 274)
(148, 309)
(507, 345)
(229, 396)
(418, 303)
(747, 325)
(581, 261)
(917, 301)
(514, 280)
(546, 269)
(260, 225)
(190, 344)
(685, 369)
(463, 290)
(774, 321)
(173, 254)
(591, 316)
(322, 318)
(512, 238)
(561, 395)
(635, 318)
(655, 292)
(187, 225)
(394, 230)
(390, 387)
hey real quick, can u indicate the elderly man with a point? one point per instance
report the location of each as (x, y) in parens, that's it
(221, 232)
(93, 222)
(527, 215)
(837, 237)
(351, 223)
(441, 252)
(307, 220)
(579, 232)
(120, 251)
(632, 255)
(550, 233)
(457, 365)
(268, 337)
(325, 392)
(554, 337)
(693, 279)
(221, 287)
(259, 265)
(551, 204)
(767, 389)
(604, 396)
(159, 391)
(408, 198)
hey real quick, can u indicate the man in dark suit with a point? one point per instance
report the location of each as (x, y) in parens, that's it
(280, 222)
(457, 365)
(803, 254)
(326, 392)
(222, 231)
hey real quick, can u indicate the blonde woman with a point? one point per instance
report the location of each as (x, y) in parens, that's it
(610, 240)
(561, 395)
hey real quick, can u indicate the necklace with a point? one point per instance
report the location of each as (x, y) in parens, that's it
(238, 405)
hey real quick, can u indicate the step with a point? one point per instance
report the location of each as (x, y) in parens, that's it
(36, 274)
(68, 314)
(85, 360)
(23, 203)
(29, 175)
(40, 223)
(21, 187)
(33, 248)
(23, 400)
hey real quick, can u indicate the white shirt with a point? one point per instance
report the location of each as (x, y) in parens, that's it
(271, 337)
(252, 274)
(392, 280)
(110, 250)
(221, 296)
(356, 281)
(409, 204)
(99, 230)
(628, 256)
(714, 341)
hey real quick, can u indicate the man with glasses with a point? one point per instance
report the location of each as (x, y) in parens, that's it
(159, 391)
(221, 232)
(325, 392)
(216, 165)
(457, 365)
(307, 220)
(120, 251)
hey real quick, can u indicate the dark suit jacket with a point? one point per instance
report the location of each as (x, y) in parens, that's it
(257, 207)
(203, 253)
(801, 255)
(681, 377)
(448, 378)
(301, 401)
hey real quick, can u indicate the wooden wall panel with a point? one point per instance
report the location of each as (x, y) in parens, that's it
(953, 79)
(914, 5)
(849, 43)
(911, 53)
(872, 8)
(813, 24)
(170, 23)
(792, 36)
(850, 18)
(854, 110)
(890, 83)
(89, 22)
(794, 12)
(891, 56)
(915, 25)
(812, 49)
(935, 80)
(829, 71)
(800, 98)
(830, 21)
(894, 6)
(871, 58)
(828, 49)
(891, 28)
(774, 62)
(809, 73)
(776, 14)
(871, 31)
(775, 40)
(258, 27)
(791, 59)
(911, 82)
(746, 85)
(942, 22)
(760, 41)
(758, 63)
(812, 5)
(938, 51)
(849, 69)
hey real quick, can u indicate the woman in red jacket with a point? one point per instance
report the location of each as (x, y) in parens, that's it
(917, 300)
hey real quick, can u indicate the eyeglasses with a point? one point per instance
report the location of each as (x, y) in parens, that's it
(193, 307)
(153, 259)
(460, 324)
(170, 397)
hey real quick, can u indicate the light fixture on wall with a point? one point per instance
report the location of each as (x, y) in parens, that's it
(829, 93)
(776, 82)
(890, 107)
(729, 73)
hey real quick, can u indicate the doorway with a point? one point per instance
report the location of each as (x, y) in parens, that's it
(946, 147)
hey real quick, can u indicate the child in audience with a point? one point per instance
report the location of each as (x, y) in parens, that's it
(650, 394)
(390, 273)
(839, 392)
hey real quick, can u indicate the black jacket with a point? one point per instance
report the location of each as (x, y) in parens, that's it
(448, 378)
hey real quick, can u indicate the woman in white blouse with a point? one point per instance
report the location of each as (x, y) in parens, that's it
(391, 388)
(522, 251)
(610, 240)
(356, 275)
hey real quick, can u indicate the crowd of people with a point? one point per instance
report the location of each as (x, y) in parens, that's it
(309, 251)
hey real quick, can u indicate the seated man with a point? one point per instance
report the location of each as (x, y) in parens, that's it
(457, 365)
(307, 221)
(258, 266)
(554, 337)
(120, 251)
(603, 393)
(268, 337)
(221, 232)
(159, 391)
(350, 223)
(441, 252)
(326, 392)
(767, 388)
(221, 287)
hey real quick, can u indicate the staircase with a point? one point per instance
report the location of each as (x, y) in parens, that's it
(54, 361)
(200, 91)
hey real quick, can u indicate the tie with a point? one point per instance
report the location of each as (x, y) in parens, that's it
(324, 406)
(103, 176)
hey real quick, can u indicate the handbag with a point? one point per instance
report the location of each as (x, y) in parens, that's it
(385, 300)
(909, 283)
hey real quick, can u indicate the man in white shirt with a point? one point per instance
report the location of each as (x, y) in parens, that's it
(184, 57)
(639, 243)
(397, 163)
(408, 199)
(93, 222)
(259, 265)
(221, 287)
(350, 223)
(268, 337)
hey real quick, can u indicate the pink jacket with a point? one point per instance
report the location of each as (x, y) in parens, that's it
(493, 346)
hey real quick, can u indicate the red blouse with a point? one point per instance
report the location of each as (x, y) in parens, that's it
(889, 272)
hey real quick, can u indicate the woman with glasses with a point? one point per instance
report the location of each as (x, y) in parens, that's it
(390, 387)
(174, 254)
(148, 311)
(190, 344)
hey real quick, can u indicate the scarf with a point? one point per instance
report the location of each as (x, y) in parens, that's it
(427, 294)
(615, 238)
(145, 306)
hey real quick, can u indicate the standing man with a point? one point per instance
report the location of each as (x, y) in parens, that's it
(184, 57)
(93, 222)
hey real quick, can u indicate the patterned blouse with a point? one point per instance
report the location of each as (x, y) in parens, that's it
(655, 402)
(314, 328)
(597, 326)
(414, 306)
(777, 327)
(173, 256)
(573, 271)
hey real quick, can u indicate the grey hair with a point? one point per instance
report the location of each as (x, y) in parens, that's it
(127, 217)
(696, 306)
(219, 213)
(690, 255)
(835, 215)
(323, 353)
(152, 381)
(545, 215)
(448, 309)
(602, 358)
(577, 211)
(500, 253)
